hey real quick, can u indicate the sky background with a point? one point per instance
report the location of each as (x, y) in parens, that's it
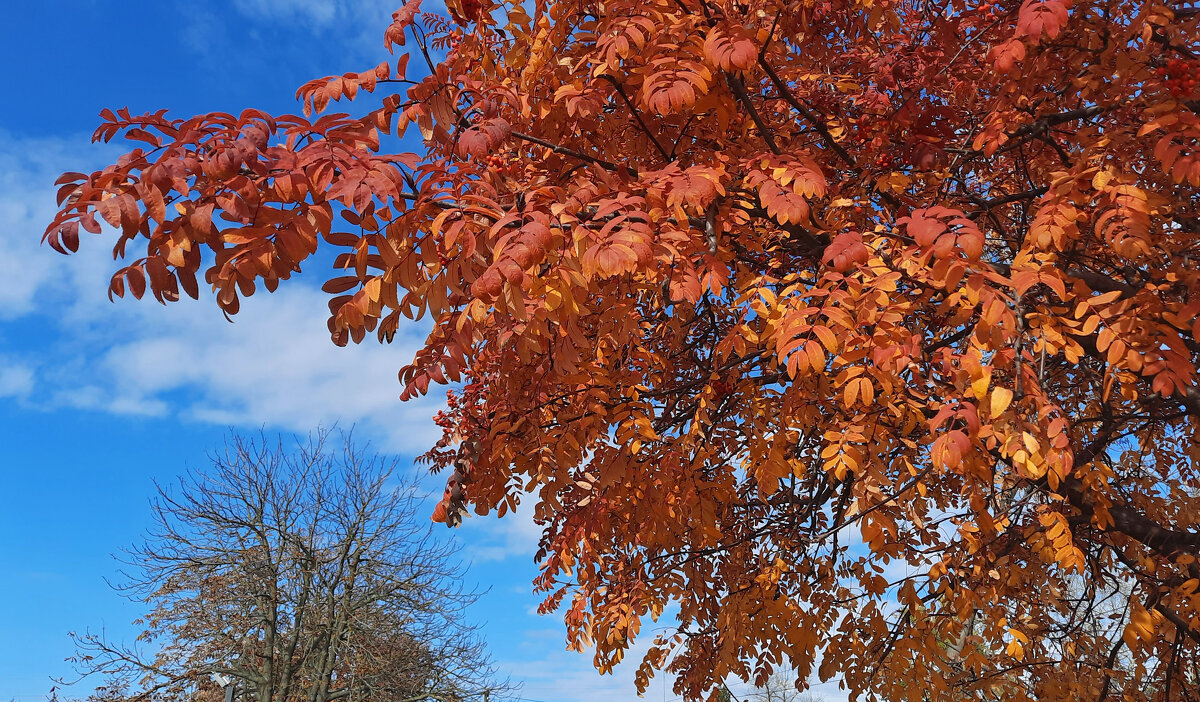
(98, 399)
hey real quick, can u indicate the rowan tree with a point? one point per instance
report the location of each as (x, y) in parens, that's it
(863, 330)
(300, 574)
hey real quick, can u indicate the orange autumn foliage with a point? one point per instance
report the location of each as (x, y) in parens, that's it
(727, 287)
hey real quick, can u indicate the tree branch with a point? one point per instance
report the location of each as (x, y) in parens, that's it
(739, 91)
(808, 114)
(637, 116)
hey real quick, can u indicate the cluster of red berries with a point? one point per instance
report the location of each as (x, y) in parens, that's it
(1180, 76)
(990, 9)
(501, 164)
(455, 39)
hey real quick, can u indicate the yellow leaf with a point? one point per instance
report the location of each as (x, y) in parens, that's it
(1001, 398)
(980, 386)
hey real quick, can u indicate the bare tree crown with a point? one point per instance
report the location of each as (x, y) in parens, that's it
(304, 573)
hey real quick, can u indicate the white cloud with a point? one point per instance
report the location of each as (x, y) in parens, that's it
(549, 673)
(16, 379)
(514, 535)
(28, 169)
(552, 674)
(561, 675)
(274, 365)
(66, 344)
(315, 12)
(357, 24)
(323, 13)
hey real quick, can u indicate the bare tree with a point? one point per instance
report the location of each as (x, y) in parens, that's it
(780, 687)
(302, 574)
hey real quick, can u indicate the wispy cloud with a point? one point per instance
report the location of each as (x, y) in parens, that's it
(28, 168)
(324, 13)
(561, 675)
(16, 379)
(274, 366)
(313, 12)
(354, 25)
(513, 536)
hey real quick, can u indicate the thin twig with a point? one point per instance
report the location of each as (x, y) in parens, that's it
(638, 116)
(607, 165)
(739, 90)
(808, 114)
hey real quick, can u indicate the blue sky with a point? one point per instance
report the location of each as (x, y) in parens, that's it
(97, 399)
